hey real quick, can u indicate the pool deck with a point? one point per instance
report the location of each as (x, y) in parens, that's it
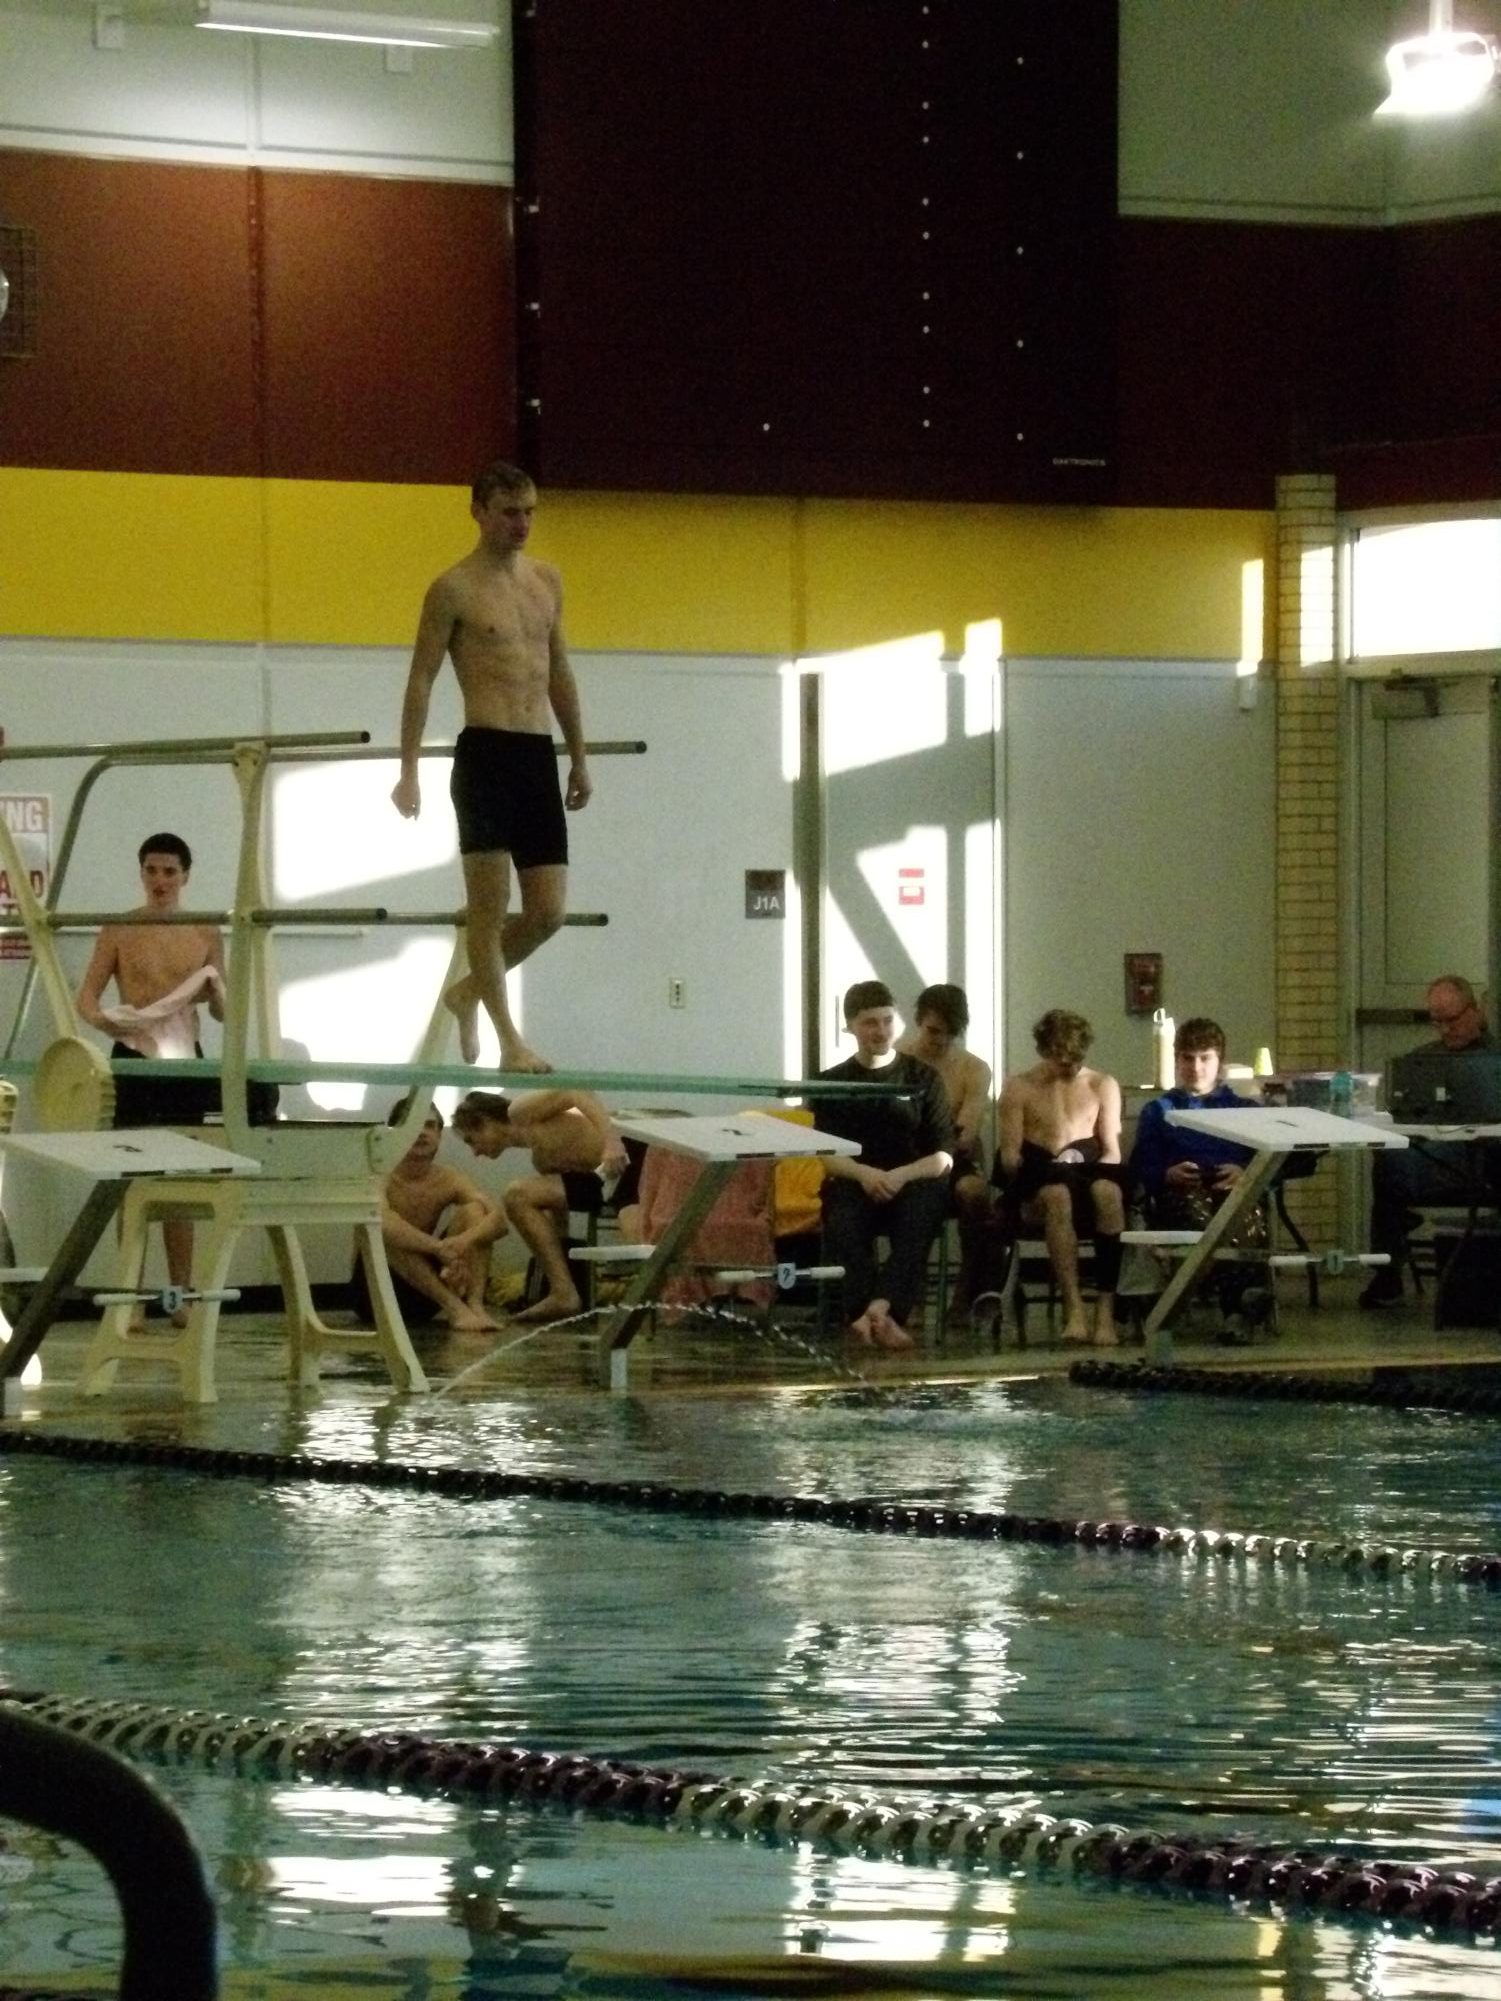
(737, 1359)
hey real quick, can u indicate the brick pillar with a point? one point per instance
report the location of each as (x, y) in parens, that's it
(1307, 850)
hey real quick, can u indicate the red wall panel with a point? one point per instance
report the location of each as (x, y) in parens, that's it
(232, 321)
(388, 315)
(143, 353)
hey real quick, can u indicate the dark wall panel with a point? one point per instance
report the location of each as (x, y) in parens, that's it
(1245, 350)
(816, 247)
(215, 320)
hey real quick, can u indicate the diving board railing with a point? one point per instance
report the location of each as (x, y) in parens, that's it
(314, 747)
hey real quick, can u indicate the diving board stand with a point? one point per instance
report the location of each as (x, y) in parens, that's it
(144, 1174)
(720, 1145)
(1273, 1133)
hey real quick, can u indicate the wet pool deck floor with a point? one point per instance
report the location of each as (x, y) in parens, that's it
(683, 1359)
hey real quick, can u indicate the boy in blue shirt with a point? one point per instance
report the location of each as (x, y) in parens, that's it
(1184, 1176)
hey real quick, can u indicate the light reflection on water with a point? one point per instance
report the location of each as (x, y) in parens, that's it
(1290, 1704)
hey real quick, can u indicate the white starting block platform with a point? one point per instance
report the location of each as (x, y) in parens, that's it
(721, 1145)
(746, 1136)
(1284, 1129)
(1272, 1133)
(148, 1173)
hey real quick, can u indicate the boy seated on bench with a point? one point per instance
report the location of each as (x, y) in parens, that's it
(1184, 1176)
(437, 1227)
(1058, 1166)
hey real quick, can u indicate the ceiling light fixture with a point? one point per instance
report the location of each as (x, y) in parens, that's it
(335, 24)
(1447, 70)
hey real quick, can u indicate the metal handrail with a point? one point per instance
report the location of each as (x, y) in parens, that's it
(269, 918)
(77, 1791)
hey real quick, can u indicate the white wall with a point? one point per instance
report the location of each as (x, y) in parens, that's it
(1261, 110)
(662, 849)
(177, 92)
(1228, 108)
(1140, 817)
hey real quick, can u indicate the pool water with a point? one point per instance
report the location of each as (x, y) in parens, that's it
(1159, 1691)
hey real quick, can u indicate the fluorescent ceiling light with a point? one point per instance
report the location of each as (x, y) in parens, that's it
(1445, 71)
(336, 24)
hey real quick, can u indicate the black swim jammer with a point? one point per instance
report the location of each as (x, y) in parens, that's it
(506, 795)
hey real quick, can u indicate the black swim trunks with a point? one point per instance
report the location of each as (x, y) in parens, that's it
(506, 795)
(162, 1101)
(585, 1192)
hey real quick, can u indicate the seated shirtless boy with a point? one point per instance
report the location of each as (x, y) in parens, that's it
(575, 1149)
(437, 1227)
(1058, 1159)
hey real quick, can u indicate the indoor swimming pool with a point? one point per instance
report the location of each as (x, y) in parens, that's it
(1295, 1703)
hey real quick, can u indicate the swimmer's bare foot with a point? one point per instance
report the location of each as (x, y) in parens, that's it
(859, 1334)
(553, 1306)
(463, 1005)
(516, 1056)
(1106, 1333)
(1076, 1327)
(886, 1332)
(470, 1320)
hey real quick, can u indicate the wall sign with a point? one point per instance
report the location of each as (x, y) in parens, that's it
(766, 892)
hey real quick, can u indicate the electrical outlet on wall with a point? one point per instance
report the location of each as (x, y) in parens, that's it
(677, 993)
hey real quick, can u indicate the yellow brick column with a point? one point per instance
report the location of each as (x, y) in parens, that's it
(1307, 850)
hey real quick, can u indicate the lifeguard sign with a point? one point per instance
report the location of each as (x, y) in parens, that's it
(28, 815)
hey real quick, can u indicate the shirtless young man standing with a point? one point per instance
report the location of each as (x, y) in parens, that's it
(573, 1143)
(1058, 1155)
(438, 1228)
(499, 616)
(159, 971)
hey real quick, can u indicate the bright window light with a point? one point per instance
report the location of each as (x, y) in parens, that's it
(881, 702)
(1426, 587)
(1316, 605)
(331, 1016)
(980, 666)
(334, 829)
(1252, 617)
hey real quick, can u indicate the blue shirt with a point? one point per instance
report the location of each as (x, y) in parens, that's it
(1160, 1146)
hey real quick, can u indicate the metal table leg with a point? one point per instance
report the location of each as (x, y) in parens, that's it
(72, 1255)
(645, 1289)
(1248, 1190)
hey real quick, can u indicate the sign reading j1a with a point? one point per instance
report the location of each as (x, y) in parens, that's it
(766, 892)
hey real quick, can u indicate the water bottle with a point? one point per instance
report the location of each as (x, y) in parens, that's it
(1163, 1063)
(1342, 1094)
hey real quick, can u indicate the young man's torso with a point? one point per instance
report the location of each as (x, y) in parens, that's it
(501, 640)
(1058, 1110)
(151, 961)
(421, 1198)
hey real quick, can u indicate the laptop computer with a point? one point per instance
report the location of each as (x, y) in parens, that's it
(1445, 1087)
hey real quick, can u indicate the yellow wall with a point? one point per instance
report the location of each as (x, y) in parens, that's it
(137, 556)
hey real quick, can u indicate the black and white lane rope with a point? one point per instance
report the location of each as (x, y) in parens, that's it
(1008, 1839)
(1354, 1556)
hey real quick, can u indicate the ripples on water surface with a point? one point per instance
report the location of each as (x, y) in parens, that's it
(1155, 1691)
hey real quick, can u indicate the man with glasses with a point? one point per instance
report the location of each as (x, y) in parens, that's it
(1437, 1172)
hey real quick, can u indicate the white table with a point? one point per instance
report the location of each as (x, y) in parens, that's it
(113, 1160)
(1273, 1133)
(721, 1144)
